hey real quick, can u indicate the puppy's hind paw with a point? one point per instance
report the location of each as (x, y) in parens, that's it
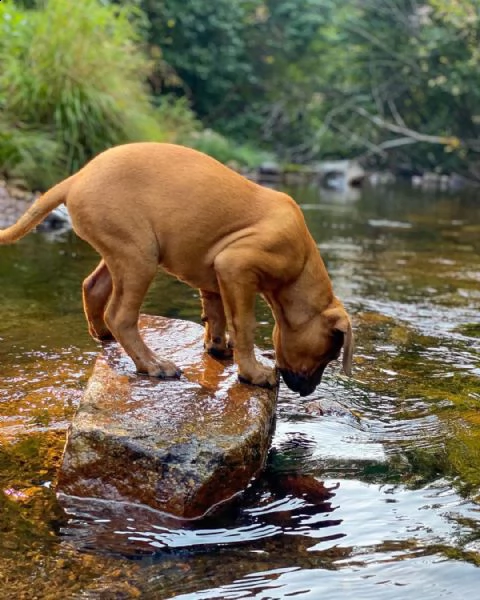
(219, 352)
(101, 333)
(218, 347)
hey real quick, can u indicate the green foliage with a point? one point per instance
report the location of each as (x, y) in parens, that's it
(226, 150)
(319, 78)
(204, 43)
(396, 83)
(73, 70)
(29, 153)
(394, 70)
(234, 60)
(176, 114)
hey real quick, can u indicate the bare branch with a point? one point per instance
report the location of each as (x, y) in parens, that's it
(351, 136)
(396, 115)
(404, 141)
(406, 131)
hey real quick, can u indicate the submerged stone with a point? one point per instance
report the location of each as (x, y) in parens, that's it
(178, 446)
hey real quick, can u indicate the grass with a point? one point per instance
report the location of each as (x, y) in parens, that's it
(72, 73)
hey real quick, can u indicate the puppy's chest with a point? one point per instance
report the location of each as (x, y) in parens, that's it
(194, 271)
(189, 252)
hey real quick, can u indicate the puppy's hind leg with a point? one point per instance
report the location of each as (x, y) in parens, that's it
(97, 288)
(132, 276)
(213, 316)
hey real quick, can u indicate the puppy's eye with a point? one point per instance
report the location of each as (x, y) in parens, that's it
(338, 337)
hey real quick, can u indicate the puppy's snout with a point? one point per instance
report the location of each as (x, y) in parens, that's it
(300, 383)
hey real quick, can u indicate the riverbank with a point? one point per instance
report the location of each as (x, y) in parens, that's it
(14, 200)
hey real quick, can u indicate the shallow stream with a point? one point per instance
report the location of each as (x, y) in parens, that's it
(378, 500)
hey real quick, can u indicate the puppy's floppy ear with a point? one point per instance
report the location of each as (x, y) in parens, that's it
(340, 321)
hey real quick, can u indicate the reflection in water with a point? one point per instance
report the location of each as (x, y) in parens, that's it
(372, 485)
(277, 504)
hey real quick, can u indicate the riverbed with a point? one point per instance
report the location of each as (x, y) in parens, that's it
(378, 500)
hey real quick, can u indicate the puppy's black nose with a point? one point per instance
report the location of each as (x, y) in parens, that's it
(300, 383)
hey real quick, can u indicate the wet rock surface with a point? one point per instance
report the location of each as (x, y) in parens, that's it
(178, 446)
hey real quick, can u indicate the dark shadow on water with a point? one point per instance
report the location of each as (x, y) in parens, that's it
(278, 502)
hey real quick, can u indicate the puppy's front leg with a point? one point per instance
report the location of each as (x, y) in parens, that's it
(238, 288)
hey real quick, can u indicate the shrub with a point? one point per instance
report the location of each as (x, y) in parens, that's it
(73, 73)
(177, 117)
(225, 150)
(29, 154)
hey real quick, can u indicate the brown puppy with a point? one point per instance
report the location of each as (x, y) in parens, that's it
(147, 204)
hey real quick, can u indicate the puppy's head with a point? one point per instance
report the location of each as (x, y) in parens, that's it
(302, 354)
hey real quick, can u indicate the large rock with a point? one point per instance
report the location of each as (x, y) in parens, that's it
(337, 174)
(179, 446)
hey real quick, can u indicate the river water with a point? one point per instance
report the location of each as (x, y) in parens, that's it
(377, 498)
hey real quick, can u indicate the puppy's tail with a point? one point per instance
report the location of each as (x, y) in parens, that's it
(37, 212)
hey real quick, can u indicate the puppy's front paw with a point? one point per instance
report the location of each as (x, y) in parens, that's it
(164, 369)
(262, 376)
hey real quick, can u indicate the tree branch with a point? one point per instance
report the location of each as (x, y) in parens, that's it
(407, 132)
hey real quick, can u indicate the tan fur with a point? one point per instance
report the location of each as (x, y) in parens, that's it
(147, 204)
